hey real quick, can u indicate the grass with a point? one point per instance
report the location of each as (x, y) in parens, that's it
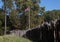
(9, 38)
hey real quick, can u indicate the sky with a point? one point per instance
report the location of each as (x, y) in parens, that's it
(1, 4)
(48, 4)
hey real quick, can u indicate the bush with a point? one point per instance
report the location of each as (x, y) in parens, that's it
(13, 39)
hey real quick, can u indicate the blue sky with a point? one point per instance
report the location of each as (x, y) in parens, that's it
(50, 4)
(1, 4)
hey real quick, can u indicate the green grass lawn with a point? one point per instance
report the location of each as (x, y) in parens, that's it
(9, 38)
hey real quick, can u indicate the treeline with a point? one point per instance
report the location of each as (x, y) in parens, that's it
(51, 15)
(48, 16)
(18, 12)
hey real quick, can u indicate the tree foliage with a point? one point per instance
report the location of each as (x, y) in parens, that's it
(16, 8)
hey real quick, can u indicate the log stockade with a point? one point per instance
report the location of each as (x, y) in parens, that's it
(46, 32)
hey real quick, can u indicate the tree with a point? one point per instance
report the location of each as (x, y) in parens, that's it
(53, 14)
(16, 7)
(1, 21)
(34, 8)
